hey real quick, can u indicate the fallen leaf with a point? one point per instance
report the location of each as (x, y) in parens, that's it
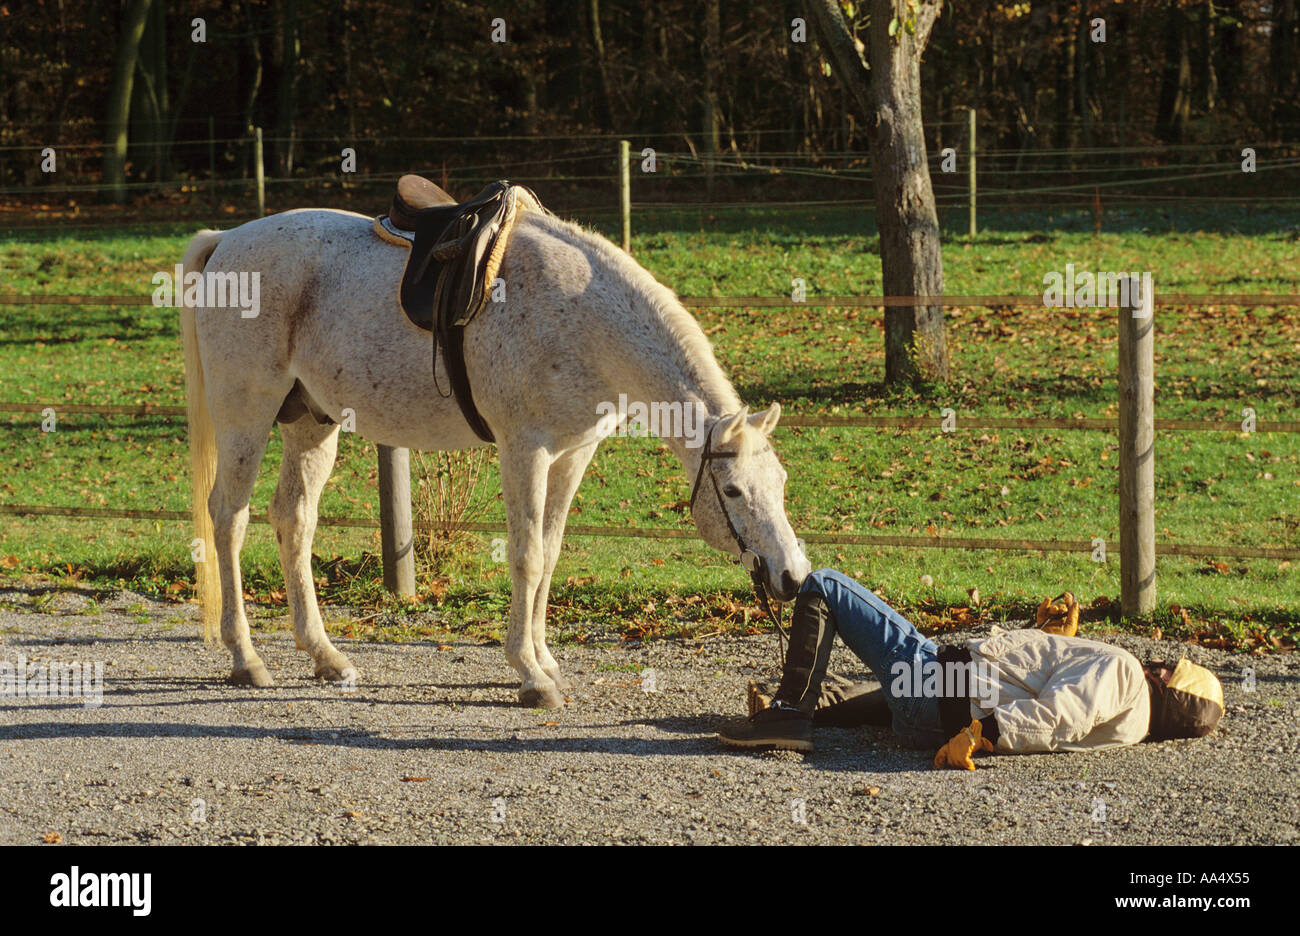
(52, 838)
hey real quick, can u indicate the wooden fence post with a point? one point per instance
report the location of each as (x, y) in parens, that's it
(1137, 519)
(971, 183)
(395, 519)
(261, 174)
(625, 191)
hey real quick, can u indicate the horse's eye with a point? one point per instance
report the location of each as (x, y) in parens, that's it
(731, 490)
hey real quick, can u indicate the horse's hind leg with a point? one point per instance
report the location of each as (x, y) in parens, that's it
(239, 453)
(561, 483)
(309, 451)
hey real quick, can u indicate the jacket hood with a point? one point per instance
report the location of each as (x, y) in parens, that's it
(1186, 700)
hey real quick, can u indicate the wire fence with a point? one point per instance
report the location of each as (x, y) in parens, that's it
(668, 533)
(1182, 300)
(1126, 174)
(788, 421)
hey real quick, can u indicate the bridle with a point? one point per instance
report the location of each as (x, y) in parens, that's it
(750, 560)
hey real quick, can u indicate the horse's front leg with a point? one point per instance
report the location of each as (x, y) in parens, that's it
(523, 484)
(562, 482)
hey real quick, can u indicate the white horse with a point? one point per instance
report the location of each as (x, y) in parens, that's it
(581, 324)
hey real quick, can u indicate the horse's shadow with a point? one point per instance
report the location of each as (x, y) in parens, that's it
(686, 736)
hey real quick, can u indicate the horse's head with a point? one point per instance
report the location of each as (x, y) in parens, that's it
(738, 500)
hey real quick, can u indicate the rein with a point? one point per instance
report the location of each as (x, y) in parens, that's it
(750, 560)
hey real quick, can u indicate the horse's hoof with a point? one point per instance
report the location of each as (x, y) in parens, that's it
(255, 674)
(337, 669)
(542, 697)
(561, 683)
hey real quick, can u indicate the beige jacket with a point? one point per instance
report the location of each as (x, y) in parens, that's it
(1058, 693)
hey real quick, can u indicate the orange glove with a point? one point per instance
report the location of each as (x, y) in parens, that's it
(1059, 615)
(956, 754)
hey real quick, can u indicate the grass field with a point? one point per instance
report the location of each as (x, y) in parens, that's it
(1212, 487)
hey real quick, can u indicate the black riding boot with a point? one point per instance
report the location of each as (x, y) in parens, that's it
(787, 722)
(812, 635)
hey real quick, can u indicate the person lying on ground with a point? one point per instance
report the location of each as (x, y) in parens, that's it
(1015, 691)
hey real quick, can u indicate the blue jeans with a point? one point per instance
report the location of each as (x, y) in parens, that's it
(882, 638)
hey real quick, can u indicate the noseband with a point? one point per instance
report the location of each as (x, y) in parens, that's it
(750, 560)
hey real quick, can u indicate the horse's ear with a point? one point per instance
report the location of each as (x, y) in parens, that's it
(766, 421)
(734, 425)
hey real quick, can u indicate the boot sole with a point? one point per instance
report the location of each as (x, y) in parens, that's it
(805, 747)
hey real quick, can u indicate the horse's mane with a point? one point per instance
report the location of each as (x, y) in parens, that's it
(694, 347)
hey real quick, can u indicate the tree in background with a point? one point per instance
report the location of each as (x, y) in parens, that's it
(414, 84)
(119, 97)
(888, 98)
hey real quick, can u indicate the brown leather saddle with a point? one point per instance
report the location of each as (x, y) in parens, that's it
(455, 256)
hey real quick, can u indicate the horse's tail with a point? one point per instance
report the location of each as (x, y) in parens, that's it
(203, 443)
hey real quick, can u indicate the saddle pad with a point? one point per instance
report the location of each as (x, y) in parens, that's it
(387, 232)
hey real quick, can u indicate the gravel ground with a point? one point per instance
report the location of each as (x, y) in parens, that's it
(431, 747)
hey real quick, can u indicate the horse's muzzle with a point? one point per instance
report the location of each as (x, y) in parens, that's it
(783, 589)
(786, 589)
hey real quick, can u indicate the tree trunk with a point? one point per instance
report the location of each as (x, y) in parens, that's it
(254, 87)
(1229, 55)
(143, 125)
(1283, 72)
(605, 101)
(161, 91)
(1083, 47)
(1209, 75)
(1065, 135)
(119, 99)
(1174, 106)
(349, 81)
(710, 50)
(800, 87)
(286, 97)
(889, 99)
(151, 107)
